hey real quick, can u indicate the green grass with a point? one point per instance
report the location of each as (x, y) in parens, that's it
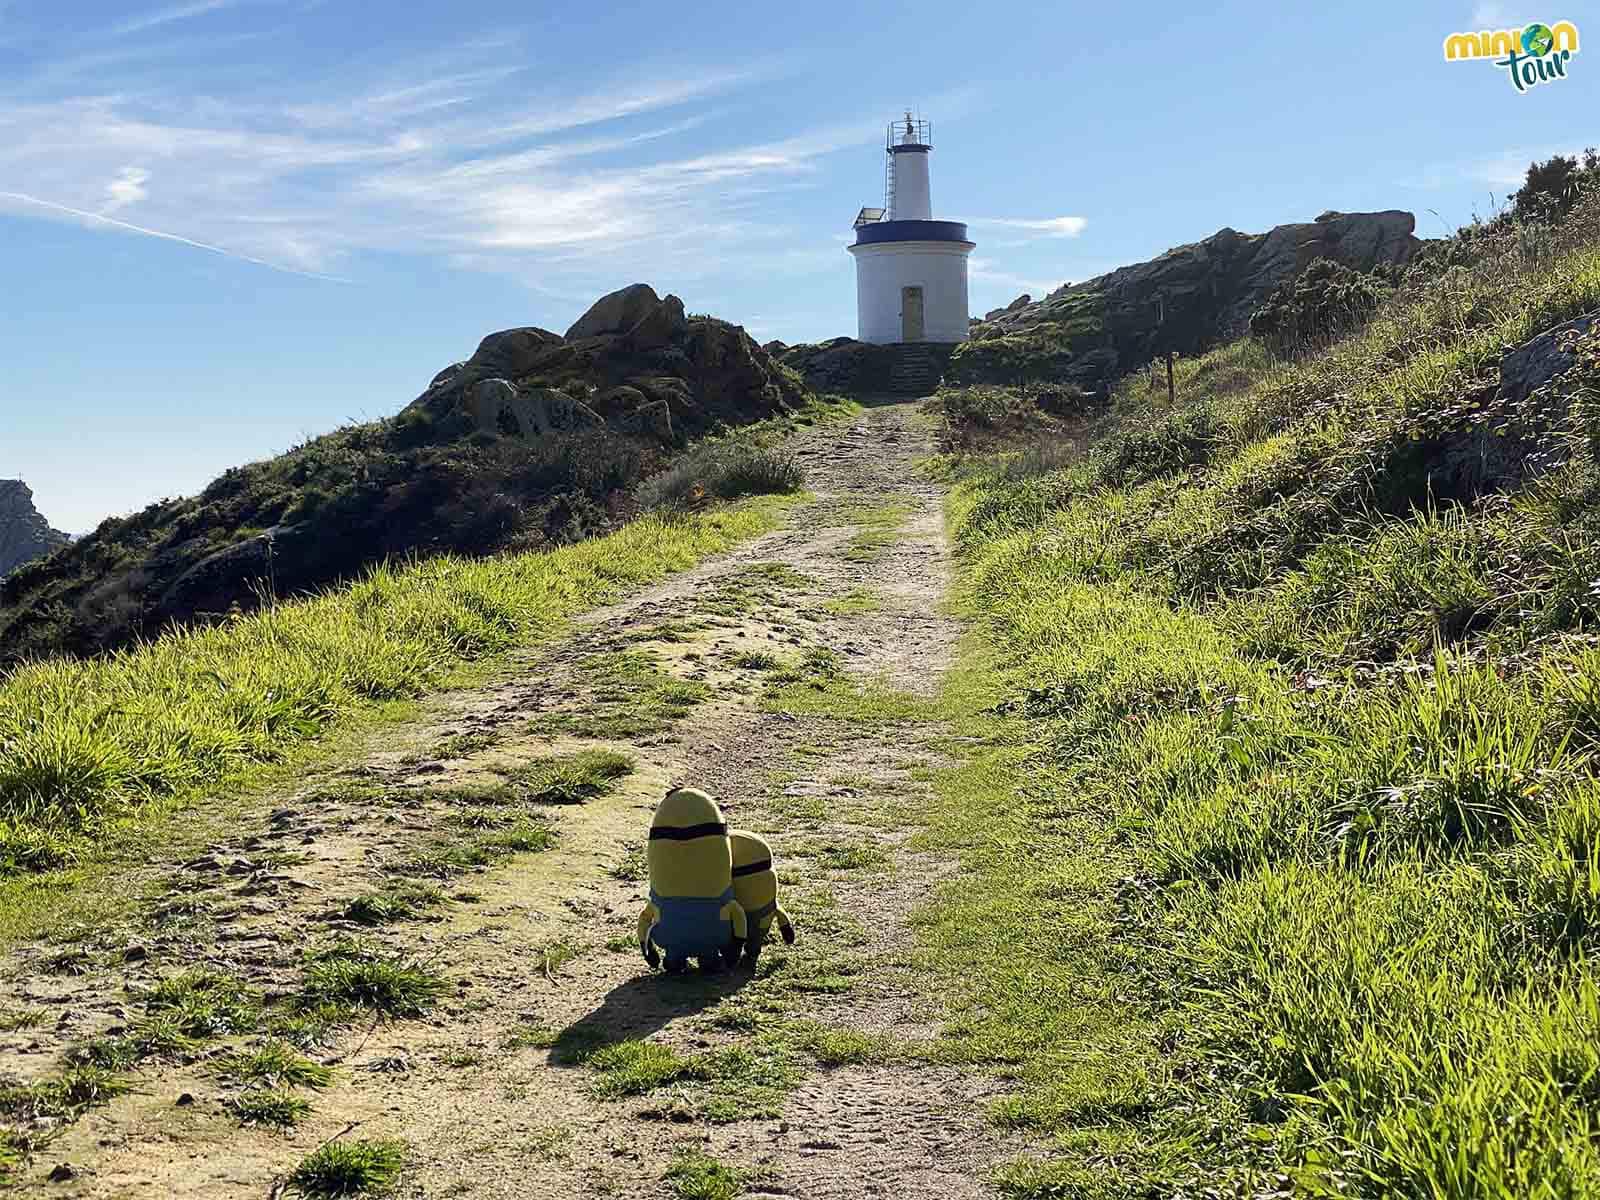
(354, 975)
(879, 528)
(445, 858)
(86, 747)
(396, 902)
(280, 1110)
(694, 1175)
(274, 1064)
(741, 1082)
(31, 1113)
(819, 686)
(13, 1020)
(853, 603)
(574, 778)
(1277, 801)
(353, 1168)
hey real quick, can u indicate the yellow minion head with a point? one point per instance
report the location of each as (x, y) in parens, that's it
(688, 851)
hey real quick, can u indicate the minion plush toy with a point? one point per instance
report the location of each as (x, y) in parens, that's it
(692, 912)
(755, 886)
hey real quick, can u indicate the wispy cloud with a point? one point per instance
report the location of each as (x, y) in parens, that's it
(100, 219)
(441, 156)
(127, 188)
(1056, 227)
(166, 16)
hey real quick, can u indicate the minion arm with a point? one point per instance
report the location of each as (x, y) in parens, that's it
(647, 924)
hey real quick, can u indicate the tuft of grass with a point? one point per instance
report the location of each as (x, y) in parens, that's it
(695, 1175)
(274, 1064)
(574, 778)
(397, 902)
(819, 686)
(632, 868)
(447, 858)
(13, 1020)
(845, 1047)
(349, 1168)
(879, 528)
(635, 1066)
(853, 603)
(352, 974)
(464, 745)
(280, 1110)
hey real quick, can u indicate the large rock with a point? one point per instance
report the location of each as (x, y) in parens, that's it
(1191, 297)
(24, 534)
(496, 406)
(616, 312)
(1516, 430)
(634, 362)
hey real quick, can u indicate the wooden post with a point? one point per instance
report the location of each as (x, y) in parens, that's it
(1172, 390)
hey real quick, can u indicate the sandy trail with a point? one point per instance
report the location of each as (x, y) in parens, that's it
(540, 943)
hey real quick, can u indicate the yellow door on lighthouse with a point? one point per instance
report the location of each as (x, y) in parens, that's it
(911, 314)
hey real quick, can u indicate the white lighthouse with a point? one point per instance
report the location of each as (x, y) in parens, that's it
(911, 271)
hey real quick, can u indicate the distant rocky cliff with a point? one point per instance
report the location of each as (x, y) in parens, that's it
(24, 534)
(1185, 301)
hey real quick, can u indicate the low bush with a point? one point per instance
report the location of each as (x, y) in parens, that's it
(721, 470)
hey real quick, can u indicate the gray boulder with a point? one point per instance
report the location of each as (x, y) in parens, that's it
(233, 573)
(616, 312)
(496, 406)
(1535, 363)
(513, 353)
(1508, 439)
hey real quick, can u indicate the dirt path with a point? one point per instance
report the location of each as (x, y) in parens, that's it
(814, 1076)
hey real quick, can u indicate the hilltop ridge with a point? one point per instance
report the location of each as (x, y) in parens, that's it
(24, 533)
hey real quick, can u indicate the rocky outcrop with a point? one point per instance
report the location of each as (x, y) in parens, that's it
(24, 534)
(1016, 305)
(1187, 300)
(1513, 431)
(634, 363)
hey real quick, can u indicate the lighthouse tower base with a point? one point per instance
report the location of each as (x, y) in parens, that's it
(911, 291)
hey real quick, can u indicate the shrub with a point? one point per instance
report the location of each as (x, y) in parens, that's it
(726, 470)
(1324, 302)
(1551, 188)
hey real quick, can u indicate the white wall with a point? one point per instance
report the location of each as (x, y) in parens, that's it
(939, 268)
(912, 199)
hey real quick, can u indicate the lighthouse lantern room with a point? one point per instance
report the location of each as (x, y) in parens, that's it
(911, 271)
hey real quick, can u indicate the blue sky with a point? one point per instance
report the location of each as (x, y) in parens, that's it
(226, 225)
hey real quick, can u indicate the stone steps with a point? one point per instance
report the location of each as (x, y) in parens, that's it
(917, 368)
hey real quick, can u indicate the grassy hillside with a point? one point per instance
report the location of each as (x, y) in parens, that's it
(1289, 805)
(87, 746)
